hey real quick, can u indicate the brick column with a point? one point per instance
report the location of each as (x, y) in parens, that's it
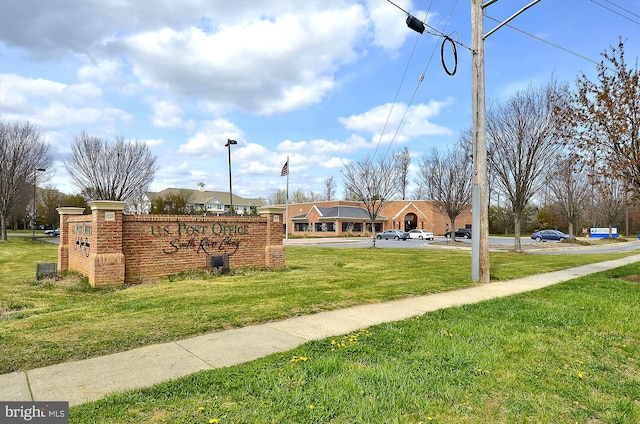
(106, 259)
(63, 246)
(274, 249)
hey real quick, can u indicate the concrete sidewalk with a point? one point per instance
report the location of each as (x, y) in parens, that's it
(83, 381)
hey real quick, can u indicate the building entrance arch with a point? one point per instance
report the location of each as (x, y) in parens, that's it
(410, 221)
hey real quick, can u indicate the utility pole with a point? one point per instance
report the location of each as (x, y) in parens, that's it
(480, 199)
(480, 191)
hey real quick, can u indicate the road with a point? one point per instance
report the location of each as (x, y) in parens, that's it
(495, 244)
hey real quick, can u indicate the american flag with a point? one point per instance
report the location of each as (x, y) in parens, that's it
(285, 169)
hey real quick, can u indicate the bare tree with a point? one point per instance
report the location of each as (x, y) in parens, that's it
(349, 195)
(611, 204)
(299, 196)
(403, 161)
(329, 188)
(500, 218)
(373, 183)
(447, 179)
(606, 114)
(314, 196)
(570, 188)
(278, 197)
(418, 193)
(22, 153)
(138, 203)
(110, 171)
(521, 138)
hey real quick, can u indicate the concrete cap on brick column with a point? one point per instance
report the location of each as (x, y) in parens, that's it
(273, 210)
(112, 205)
(70, 210)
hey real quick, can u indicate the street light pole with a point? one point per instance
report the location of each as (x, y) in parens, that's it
(228, 145)
(35, 211)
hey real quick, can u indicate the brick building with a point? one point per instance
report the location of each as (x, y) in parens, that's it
(342, 217)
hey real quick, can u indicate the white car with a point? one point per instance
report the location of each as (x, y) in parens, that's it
(421, 234)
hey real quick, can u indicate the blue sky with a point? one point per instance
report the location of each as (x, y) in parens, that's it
(324, 82)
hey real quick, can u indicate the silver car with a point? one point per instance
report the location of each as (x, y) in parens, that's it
(52, 233)
(393, 234)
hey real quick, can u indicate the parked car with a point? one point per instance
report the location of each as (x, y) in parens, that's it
(460, 232)
(393, 234)
(544, 235)
(52, 233)
(421, 234)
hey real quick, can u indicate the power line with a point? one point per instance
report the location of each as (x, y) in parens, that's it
(398, 7)
(620, 7)
(557, 46)
(406, 69)
(618, 13)
(447, 38)
(436, 32)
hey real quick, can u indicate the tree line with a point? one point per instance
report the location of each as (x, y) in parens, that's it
(575, 153)
(579, 149)
(100, 169)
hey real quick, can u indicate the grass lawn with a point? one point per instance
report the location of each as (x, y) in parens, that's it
(52, 322)
(565, 354)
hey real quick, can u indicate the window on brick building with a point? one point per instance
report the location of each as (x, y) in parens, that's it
(378, 227)
(300, 226)
(352, 227)
(324, 227)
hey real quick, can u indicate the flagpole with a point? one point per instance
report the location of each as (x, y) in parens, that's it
(286, 219)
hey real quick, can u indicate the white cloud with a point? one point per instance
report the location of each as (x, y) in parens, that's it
(174, 175)
(409, 122)
(390, 29)
(19, 93)
(250, 151)
(211, 138)
(323, 147)
(300, 96)
(166, 114)
(153, 142)
(334, 163)
(54, 105)
(110, 72)
(57, 28)
(56, 115)
(267, 65)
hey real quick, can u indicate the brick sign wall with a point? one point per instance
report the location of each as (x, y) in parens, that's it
(80, 240)
(112, 248)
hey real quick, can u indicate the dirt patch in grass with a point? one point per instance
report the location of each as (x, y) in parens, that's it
(635, 278)
(458, 243)
(67, 280)
(543, 245)
(576, 242)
